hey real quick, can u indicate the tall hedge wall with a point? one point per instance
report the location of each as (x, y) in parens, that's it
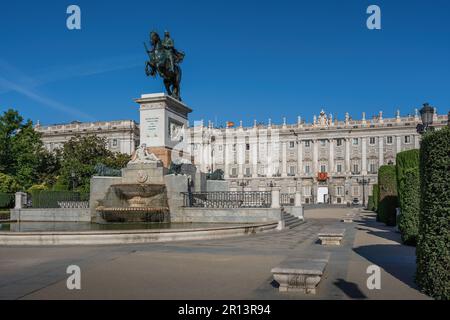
(407, 165)
(408, 223)
(370, 203)
(405, 160)
(376, 197)
(387, 184)
(433, 246)
(6, 200)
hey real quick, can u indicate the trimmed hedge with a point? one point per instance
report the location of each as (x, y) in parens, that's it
(387, 183)
(408, 223)
(408, 187)
(376, 197)
(370, 203)
(405, 160)
(433, 245)
(6, 200)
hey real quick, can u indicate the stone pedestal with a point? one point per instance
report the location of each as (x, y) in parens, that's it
(163, 121)
(144, 173)
(20, 200)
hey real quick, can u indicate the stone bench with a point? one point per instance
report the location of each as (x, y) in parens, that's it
(330, 236)
(300, 275)
(349, 218)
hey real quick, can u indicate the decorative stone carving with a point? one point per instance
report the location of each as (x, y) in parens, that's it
(143, 156)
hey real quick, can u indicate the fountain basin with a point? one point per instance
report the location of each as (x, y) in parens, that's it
(115, 237)
(135, 203)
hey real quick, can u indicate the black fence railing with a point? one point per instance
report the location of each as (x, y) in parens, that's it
(228, 199)
(58, 199)
(287, 199)
(6, 200)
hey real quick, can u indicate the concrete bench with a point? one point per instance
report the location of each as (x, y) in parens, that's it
(330, 236)
(349, 218)
(300, 275)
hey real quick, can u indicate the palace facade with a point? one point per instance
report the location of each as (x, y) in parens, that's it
(328, 160)
(121, 136)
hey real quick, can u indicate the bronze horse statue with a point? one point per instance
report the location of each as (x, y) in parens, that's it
(164, 60)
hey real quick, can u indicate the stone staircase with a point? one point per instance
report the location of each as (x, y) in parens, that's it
(291, 221)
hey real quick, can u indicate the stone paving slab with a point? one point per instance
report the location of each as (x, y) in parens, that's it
(234, 268)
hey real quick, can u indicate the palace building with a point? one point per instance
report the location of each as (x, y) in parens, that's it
(328, 161)
(121, 136)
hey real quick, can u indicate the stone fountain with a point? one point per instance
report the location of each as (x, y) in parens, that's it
(141, 195)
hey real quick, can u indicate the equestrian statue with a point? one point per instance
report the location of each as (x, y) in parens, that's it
(165, 60)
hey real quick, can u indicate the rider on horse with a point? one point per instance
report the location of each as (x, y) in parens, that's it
(165, 60)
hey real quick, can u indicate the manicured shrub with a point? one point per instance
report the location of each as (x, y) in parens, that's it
(376, 197)
(370, 204)
(387, 184)
(6, 200)
(407, 169)
(408, 223)
(405, 160)
(433, 245)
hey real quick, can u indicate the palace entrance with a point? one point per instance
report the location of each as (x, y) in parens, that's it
(322, 195)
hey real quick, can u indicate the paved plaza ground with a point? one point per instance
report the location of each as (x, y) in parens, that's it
(237, 268)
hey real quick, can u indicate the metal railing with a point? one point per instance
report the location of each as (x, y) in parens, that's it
(228, 199)
(287, 199)
(58, 199)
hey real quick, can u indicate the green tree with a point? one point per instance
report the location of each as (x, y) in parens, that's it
(20, 149)
(78, 159)
(8, 184)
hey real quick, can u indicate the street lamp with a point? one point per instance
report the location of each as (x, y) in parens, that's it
(426, 113)
(364, 182)
(72, 174)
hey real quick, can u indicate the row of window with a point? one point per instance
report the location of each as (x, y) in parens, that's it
(323, 142)
(292, 170)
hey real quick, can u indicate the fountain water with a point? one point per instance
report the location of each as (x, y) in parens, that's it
(135, 203)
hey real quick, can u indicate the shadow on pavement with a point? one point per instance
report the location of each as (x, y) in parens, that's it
(396, 259)
(350, 289)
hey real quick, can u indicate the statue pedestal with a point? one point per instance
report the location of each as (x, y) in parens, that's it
(142, 173)
(163, 120)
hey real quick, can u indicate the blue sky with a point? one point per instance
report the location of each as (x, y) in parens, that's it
(244, 59)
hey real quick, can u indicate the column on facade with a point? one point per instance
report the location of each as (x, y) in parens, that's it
(241, 156)
(227, 158)
(331, 156)
(284, 159)
(347, 155)
(253, 140)
(300, 157)
(417, 141)
(398, 144)
(315, 156)
(380, 151)
(269, 156)
(364, 155)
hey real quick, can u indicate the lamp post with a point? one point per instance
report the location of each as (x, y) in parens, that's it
(72, 174)
(426, 114)
(363, 182)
